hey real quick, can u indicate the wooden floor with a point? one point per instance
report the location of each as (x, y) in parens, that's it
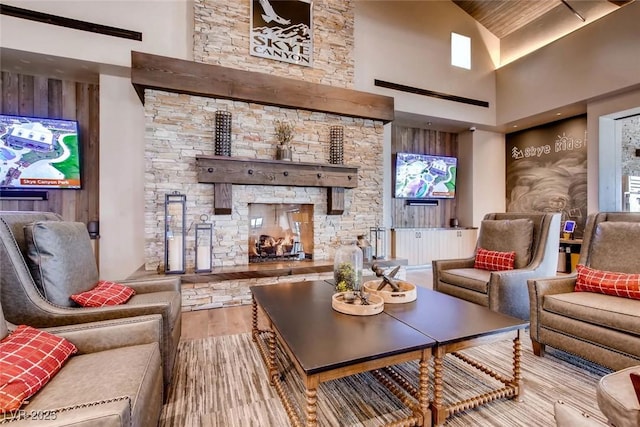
(237, 319)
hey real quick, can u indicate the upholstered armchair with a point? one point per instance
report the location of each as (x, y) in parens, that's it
(596, 326)
(535, 239)
(44, 260)
(113, 380)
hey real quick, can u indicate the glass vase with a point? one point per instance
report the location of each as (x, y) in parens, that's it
(347, 267)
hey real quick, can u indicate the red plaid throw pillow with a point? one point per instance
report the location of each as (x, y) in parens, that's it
(494, 260)
(607, 282)
(29, 358)
(104, 293)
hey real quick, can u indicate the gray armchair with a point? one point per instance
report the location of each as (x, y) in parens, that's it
(598, 327)
(26, 301)
(114, 380)
(535, 237)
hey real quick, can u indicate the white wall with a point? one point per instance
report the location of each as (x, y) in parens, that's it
(593, 61)
(122, 172)
(408, 42)
(481, 176)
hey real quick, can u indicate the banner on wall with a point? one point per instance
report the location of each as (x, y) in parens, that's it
(282, 30)
(547, 170)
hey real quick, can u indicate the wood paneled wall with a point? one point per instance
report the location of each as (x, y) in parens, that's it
(39, 96)
(423, 141)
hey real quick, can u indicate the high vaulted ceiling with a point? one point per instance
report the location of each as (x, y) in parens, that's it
(503, 17)
(526, 25)
(522, 27)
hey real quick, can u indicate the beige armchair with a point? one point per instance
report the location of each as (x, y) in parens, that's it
(30, 302)
(602, 328)
(535, 237)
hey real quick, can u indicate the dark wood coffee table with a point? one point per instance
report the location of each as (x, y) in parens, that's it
(456, 324)
(324, 344)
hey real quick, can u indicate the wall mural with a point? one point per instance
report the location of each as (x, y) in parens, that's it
(547, 170)
(282, 30)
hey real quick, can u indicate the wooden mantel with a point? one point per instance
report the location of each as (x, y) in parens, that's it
(222, 172)
(180, 76)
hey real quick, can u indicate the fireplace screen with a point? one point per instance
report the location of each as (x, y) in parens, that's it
(279, 232)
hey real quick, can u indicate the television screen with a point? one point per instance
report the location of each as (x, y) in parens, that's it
(38, 153)
(423, 176)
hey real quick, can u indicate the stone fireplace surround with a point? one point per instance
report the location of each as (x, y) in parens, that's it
(180, 100)
(172, 143)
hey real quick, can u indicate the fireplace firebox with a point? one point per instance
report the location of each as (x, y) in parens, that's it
(280, 232)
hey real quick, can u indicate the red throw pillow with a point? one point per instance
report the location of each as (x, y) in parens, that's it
(29, 358)
(104, 293)
(494, 260)
(607, 282)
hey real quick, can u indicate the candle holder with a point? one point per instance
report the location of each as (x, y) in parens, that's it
(336, 147)
(377, 239)
(223, 133)
(204, 233)
(175, 206)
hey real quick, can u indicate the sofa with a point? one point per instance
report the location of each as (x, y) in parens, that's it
(534, 237)
(114, 379)
(44, 260)
(602, 328)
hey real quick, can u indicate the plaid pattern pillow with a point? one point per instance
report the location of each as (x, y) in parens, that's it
(494, 260)
(104, 293)
(29, 358)
(607, 282)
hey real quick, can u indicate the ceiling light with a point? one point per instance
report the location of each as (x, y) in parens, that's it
(558, 114)
(575, 12)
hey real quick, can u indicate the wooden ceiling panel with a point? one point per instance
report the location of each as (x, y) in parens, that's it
(502, 17)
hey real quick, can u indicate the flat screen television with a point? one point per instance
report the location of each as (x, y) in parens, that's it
(425, 176)
(38, 153)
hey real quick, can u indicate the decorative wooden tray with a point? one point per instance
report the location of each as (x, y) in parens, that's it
(375, 306)
(407, 291)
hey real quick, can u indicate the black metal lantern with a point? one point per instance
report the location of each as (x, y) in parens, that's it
(377, 239)
(175, 206)
(204, 235)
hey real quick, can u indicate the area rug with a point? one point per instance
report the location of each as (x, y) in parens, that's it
(222, 381)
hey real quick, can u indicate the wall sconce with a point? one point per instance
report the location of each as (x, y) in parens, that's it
(204, 234)
(175, 205)
(377, 239)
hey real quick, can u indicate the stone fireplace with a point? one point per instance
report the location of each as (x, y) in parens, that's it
(280, 232)
(180, 125)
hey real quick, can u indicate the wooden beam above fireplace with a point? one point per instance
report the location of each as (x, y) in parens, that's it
(214, 81)
(224, 171)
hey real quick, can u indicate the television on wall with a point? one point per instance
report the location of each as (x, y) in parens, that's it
(425, 176)
(39, 153)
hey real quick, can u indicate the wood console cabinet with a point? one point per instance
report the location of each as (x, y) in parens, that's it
(420, 246)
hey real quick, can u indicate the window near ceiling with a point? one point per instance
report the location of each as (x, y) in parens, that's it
(460, 51)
